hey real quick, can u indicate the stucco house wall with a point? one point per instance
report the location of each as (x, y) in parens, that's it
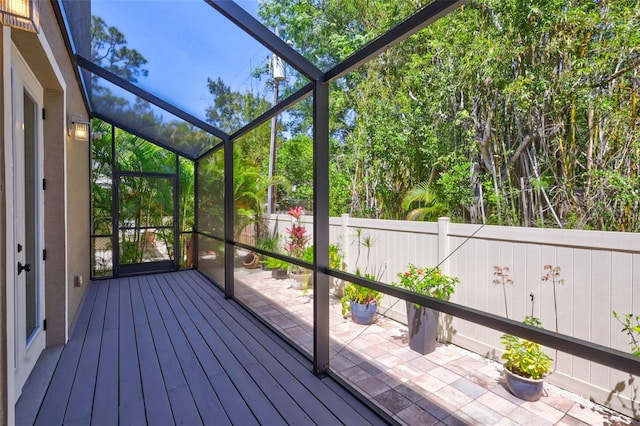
(66, 198)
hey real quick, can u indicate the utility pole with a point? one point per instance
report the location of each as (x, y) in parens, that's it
(278, 73)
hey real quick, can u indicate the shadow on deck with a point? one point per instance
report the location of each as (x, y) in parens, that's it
(168, 349)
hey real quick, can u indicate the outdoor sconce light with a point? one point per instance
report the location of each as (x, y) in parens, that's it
(79, 128)
(22, 14)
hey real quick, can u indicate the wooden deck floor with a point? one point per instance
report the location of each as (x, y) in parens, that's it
(169, 349)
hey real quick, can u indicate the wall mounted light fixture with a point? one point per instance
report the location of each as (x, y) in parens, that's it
(79, 128)
(22, 14)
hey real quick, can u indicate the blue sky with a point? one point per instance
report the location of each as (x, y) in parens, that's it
(185, 42)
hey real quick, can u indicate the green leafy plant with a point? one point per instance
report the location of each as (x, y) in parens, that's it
(336, 258)
(428, 281)
(269, 243)
(273, 263)
(631, 326)
(359, 294)
(524, 357)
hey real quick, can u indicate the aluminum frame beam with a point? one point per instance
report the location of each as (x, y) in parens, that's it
(143, 94)
(300, 94)
(140, 134)
(321, 157)
(250, 25)
(395, 35)
(229, 210)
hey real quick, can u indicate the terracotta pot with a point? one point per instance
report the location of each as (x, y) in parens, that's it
(251, 261)
(523, 387)
(423, 328)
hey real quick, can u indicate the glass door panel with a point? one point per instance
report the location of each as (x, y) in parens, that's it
(32, 319)
(146, 223)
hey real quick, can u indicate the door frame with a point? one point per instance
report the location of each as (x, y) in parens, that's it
(27, 349)
(144, 267)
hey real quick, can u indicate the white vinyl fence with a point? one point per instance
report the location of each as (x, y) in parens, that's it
(600, 270)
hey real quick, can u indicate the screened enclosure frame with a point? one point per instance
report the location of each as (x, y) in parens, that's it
(318, 89)
(118, 268)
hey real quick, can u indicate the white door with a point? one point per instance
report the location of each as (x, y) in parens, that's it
(27, 98)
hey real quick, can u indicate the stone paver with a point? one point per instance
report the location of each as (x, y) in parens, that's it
(544, 411)
(481, 413)
(497, 403)
(414, 415)
(449, 386)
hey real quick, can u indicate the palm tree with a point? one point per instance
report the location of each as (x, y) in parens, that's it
(429, 207)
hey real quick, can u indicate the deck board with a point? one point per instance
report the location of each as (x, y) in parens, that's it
(338, 399)
(81, 397)
(208, 403)
(156, 399)
(291, 394)
(169, 349)
(131, 401)
(182, 404)
(105, 406)
(249, 361)
(233, 402)
(55, 402)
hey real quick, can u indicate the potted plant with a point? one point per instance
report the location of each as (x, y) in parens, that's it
(296, 247)
(336, 261)
(278, 268)
(423, 322)
(526, 364)
(361, 301)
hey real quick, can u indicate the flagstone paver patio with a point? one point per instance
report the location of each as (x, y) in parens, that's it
(450, 386)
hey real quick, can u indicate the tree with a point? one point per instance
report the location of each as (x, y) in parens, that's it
(515, 112)
(109, 50)
(231, 110)
(295, 163)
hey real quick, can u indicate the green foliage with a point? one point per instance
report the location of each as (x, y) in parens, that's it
(514, 112)
(211, 194)
(269, 243)
(524, 357)
(101, 179)
(430, 208)
(455, 185)
(427, 281)
(336, 257)
(295, 163)
(143, 202)
(359, 294)
(630, 326)
(339, 190)
(273, 263)
(231, 110)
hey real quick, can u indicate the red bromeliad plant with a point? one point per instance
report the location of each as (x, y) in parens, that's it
(298, 237)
